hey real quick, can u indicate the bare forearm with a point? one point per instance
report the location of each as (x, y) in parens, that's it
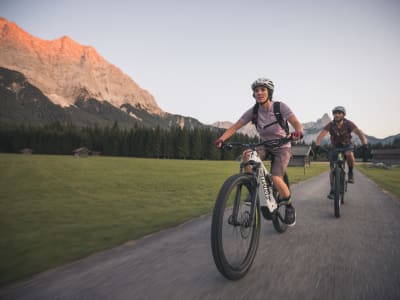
(231, 131)
(320, 137)
(295, 123)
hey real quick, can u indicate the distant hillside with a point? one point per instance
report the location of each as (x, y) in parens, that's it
(22, 102)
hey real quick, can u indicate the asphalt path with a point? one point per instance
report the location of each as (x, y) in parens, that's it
(356, 256)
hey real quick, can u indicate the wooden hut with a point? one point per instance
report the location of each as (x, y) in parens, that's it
(81, 152)
(386, 156)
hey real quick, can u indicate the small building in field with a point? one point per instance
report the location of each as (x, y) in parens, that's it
(81, 152)
(26, 151)
(301, 156)
(386, 156)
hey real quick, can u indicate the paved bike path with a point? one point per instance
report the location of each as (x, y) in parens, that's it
(354, 257)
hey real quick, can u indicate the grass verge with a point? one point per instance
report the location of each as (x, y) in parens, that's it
(56, 209)
(388, 179)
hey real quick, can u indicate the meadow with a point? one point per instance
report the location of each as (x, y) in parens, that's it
(56, 209)
(388, 179)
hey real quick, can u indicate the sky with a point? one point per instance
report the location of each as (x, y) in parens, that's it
(199, 58)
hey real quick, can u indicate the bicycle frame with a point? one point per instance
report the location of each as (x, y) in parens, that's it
(263, 185)
(263, 188)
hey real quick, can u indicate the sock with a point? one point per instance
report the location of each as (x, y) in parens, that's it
(287, 199)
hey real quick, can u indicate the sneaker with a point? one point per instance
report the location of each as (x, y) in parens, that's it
(350, 179)
(331, 195)
(290, 215)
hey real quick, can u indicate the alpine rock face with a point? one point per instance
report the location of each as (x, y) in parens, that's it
(75, 78)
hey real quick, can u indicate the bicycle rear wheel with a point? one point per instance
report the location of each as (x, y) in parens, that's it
(336, 200)
(235, 230)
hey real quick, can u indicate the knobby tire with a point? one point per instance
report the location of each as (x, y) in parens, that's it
(337, 186)
(220, 250)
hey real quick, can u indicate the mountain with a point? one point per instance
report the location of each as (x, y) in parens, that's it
(45, 81)
(248, 129)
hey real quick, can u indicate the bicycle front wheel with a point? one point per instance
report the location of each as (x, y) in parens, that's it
(235, 228)
(343, 186)
(337, 200)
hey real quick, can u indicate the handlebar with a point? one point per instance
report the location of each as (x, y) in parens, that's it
(268, 144)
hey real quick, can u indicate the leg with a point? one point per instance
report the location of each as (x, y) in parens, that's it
(281, 157)
(246, 157)
(281, 186)
(350, 161)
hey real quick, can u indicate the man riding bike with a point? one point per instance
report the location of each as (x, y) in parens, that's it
(269, 126)
(340, 130)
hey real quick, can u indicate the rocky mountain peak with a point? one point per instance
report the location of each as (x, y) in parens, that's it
(66, 71)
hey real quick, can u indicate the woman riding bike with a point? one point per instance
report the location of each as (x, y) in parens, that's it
(270, 124)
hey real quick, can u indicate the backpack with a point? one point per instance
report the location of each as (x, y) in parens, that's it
(277, 112)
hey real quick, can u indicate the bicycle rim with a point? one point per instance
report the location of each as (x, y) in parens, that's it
(234, 246)
(336, 201)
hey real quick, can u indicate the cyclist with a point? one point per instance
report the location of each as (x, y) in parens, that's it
(340, 130)
(269, 127)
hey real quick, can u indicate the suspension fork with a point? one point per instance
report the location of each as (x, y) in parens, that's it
(233, 219)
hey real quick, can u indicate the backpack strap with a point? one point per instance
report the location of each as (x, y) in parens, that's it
(277, 111)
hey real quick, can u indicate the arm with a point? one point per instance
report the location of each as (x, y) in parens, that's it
(361, 136)
(229, 132)
(296, 125)
(321, 136)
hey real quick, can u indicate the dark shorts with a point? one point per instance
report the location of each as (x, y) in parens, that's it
(333, 154)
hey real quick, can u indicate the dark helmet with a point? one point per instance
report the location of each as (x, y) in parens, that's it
(339, 109)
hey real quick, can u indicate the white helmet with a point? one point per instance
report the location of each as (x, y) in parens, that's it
(263, 82)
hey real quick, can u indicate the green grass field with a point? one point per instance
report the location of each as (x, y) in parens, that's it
(56, 209)
(388, 179)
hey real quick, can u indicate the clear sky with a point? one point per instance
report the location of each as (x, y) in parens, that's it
(198, 58)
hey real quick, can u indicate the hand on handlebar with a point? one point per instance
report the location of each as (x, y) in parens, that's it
(218, 143)
(297, 135)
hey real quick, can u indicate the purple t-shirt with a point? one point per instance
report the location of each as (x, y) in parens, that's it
(266, 117)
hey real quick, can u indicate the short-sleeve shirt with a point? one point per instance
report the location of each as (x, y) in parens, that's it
(266, 117)
(340, 136)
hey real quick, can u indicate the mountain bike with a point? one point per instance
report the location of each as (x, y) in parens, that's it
(339, 183)
(235, 228)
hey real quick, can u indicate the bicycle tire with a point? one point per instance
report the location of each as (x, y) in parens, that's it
(336, 199)
(279, 225)
(343, 187)
(227, 262)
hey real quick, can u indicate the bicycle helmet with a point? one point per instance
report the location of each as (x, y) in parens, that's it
(339, 109)
(266, 83)
(263, 82)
